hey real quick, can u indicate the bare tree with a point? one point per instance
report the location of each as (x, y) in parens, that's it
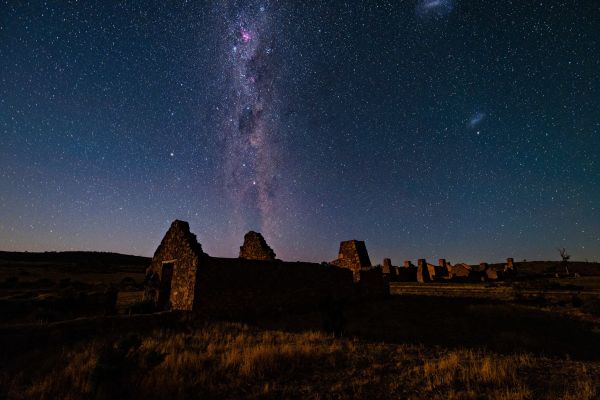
(565, 258)
(563, 254)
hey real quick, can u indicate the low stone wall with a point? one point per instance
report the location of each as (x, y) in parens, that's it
(407, 274)
(373, 284)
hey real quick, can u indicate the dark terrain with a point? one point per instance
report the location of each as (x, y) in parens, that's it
(533, 338)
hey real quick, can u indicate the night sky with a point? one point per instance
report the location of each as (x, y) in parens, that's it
(468, 130)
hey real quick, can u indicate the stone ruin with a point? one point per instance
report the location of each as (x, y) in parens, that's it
(423, 271)
(487, 272)
(182, 277)
(445, 271)
(389, 269)
(406, 273)
(509, 268)
(462, 271)
(510, 263)
(387, 266)
(353, 255)
(255, 247)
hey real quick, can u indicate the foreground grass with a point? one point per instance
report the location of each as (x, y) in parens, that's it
(231, 360)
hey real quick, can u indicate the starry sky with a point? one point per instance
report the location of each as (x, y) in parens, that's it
(468, 130)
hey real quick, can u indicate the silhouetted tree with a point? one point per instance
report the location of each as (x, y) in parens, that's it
(565, 258)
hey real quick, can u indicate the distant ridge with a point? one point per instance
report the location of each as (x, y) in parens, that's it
(73, 259)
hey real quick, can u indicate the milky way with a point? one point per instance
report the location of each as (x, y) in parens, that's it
(251, 151)
(313, 122)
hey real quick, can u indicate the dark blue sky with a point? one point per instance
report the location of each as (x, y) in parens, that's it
(457, 129)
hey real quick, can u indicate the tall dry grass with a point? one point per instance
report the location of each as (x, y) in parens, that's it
(229, 360)
(473, 372)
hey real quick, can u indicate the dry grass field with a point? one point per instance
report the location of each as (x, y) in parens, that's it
(232, 360)
(402, 347)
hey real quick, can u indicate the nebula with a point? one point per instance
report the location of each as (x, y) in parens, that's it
(251, 151)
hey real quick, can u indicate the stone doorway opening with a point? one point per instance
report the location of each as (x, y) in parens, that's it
(166, 278)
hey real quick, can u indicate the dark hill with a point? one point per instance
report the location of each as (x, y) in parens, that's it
(78, 260)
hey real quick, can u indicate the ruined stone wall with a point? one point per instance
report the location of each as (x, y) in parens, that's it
(255, 247)
(423, 271)
(408, 274)
(181, 247)
(242, 287)
(432, 272)
(229, 287)
(373, 284)
(354, 256)
(437, 272)
(460, 271)
(387, 267)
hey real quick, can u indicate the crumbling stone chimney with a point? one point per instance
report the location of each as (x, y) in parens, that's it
(423, 271)
(255, 247)
(354, 256)
(387, 266)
